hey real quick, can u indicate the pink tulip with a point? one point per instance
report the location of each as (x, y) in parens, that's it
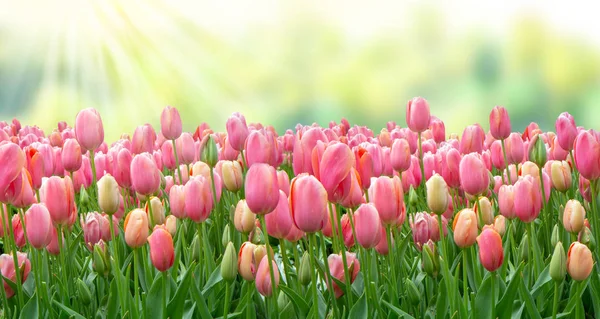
(92, 232)
(177, 201)
(168, 155)
(10, 153)
(400, 155)
(499, 123)
(303, 149)
(497, 155)
(249, 258)
(136, 228)
(580, 262)
(465, 228)
(474, 176)
(566, 131)
(88, 129)
(53, 247)
(35, 166)
(472, 139)
(59, 197)
(170, 123)
(280, 221)
(186, 149)
(263, 277)
(20, 192)
(143, 139)
(587, 155)
(527, 199)
(162, 253)
(83, 176)
(38, 224)
(438, 129)
(261, 147)
(382, 247)
(308, 203)
(18, 232)
(491, 253)
(387, 195)
(367, 225)
(506, 201)
(364, 166)
(237, 131)
(515, 149)
(450, 167)
(71, 155)
(262, 189)
(122, 167)
(350, 191)
(7, 268)
(336, 164)
(198, 199)
(418, 115)
(337, 270)
(145, 177)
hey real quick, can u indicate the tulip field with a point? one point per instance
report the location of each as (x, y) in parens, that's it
(343, 221)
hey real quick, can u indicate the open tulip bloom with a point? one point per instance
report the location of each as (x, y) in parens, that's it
(319, 222)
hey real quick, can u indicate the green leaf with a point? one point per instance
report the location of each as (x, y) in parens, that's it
(234, 315)
(200, 302)
(398, 311)
(30, 310)
(359, 310)
(112, 309)
(154, 299)
(542, 280)
(175, 308)
(483, 299)
(442, 304)
(299, 303)
(67, 310)
(505, 306)
(214, 279)
(576, 296)
(528, 300)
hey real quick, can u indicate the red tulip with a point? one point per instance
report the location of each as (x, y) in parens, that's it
(88, 129)
(418, 115)
(162, 253)
(491, 253)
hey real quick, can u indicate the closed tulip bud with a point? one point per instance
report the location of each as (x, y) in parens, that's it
(524, 248)
(500, 225)
(71, 155)
(430, 259)
(537, 151)
(279, 222)
(367, 225)
(263, 278)
(210, 154)
(573, 216)
(579, 261)
(7, 269)
(474, 176)
(499, 123)
(162, 253)
(186, 148)
(491, 253)
(100, 258)
(226, 237)
(88, 129)
(156, 212)
(515, 149)
(232, 175)
(414, 296)
(18, 232)
(418, 115)
(337, 270)
(555, 237)
(437, 194)
(506, 201)
(256, 236)
(108, 194)
(558, 263)
(585, 237)
(308, 203)
(194, 251)
(587, 155)
(83, 292)
(304, 269)
(229, 263)
(465, 228)
(484, 211)
(136, 228)
(38, 225)
(170, 123)
(145, 177)
(413, 198)
(171, 225)
(244, 218)
(262, 189)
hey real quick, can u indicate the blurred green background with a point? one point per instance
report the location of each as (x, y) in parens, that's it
(285, 62)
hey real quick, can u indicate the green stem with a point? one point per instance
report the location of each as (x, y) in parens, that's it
(333, 220)
(270, 260)
(215, 207)
(421, 161)
(136, 279)
(394, 287)
(493, 283)
(296, 264)
(505, 163)
(63, 265)
(93, 164)
(286, 262)
(227, 297)
(465, 280)
(313, 276)
(555, 305)
(164, 294)
(344, 260)
(177, 162)
(328, 275)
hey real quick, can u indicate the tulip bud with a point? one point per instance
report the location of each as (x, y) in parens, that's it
(367, 225)
(414, 296)
(244, 219)
(524, 248)
(38, 225)
(430, 259)
(232, 175)
(500, 225)
(257, 236)
(418, 115)
(210, 154)
(171, 225)
(262, 188)
(585, 237)
(579, 261)
(413, 198)
(558, 263)
(229, 263)
(170, 123)
(537, 151)
(555, 237)
(573, 216)
(156, 212)
(560, 172)
(101, 259)
(437, 194)
(304, 269)
(85, 296)
(308, 203)
(499, 123)
(195, 249)
(225, 238)
(88, 129)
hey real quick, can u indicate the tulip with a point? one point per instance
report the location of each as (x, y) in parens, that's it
(71, 155)
(527, 199)
(400, 155)
(143, 139)
(465, 228)
(101, 259)
(244, 219)
(579, 261)
(336, 164)
(177, 200)
(430, 259)
(186, 150)
(59, 197)
(88, 129)
(249, 258)
(515, 150)
(497, 156)
(145, 177)
(537, 151)
(387, 195)
(308, 203)
(560, 172)
(20, 192)
(10, 153)
(262, 189)
(303, 149)
(279, 221)
(418, 115)
(18, 232)
(208, 151)
(437, 194)
(7, 268)
(587, 155)
(337, 270)
(232, 175)
(566, 131)
(382, 247)
(162, 253)
(423, 228)
(573, 216)
(263, 277)
(156, 211)
(38, 225)
(283, 180)
(136, 228)
(491, 253)
(92, 232)
(229, 264)
(304, 269)
(171, 225)
(198, 199)
(35, 166)
(438, 129)
(474, 176)
(122, 168)
(499, 123)
(237, 131)
(53, 247)
(472, 139)
(170, 123)
(367, 225)
(558, 263)
(109, 196)
(484, 211)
